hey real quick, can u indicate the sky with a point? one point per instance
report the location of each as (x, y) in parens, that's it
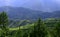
(12, 2)
(24, 2)
(46, 5)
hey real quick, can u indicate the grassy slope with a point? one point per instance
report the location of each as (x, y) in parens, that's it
(22, 27)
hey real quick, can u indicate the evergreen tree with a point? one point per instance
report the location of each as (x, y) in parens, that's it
(39, 29)
(57, 29)
(4, 23)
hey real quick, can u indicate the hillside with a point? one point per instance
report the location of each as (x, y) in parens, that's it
(25, 13)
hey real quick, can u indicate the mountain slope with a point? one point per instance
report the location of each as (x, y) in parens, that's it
(24, 13)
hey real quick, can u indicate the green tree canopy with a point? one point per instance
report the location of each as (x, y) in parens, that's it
(39, 29)
(4, 23)
(3, 19)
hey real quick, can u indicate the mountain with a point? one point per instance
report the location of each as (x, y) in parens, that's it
(25, 13)
(43, 5)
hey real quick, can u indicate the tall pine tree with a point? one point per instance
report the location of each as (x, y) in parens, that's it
(3, 20)
(39, 29)
(57, 29)
(4, 23)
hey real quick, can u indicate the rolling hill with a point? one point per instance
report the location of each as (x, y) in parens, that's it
(25, 13)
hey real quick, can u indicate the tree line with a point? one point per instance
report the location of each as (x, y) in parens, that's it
(38, 30)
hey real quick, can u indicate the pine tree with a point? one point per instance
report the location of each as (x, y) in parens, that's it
(4, 23)
(39, 29)
(3, 19)
(57, 29)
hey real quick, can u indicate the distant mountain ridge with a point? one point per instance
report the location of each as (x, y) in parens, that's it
(25, 13)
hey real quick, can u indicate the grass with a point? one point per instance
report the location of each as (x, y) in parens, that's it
(22, 27)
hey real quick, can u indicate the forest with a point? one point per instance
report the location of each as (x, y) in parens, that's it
(40, 28)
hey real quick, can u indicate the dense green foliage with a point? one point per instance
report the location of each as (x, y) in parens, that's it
(4, 24)
(40, 28)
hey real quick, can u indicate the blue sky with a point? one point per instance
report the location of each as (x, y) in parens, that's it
(26, 2)
(12, 2)
(46, 5)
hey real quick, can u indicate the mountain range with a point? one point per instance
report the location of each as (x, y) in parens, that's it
(26, 13)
